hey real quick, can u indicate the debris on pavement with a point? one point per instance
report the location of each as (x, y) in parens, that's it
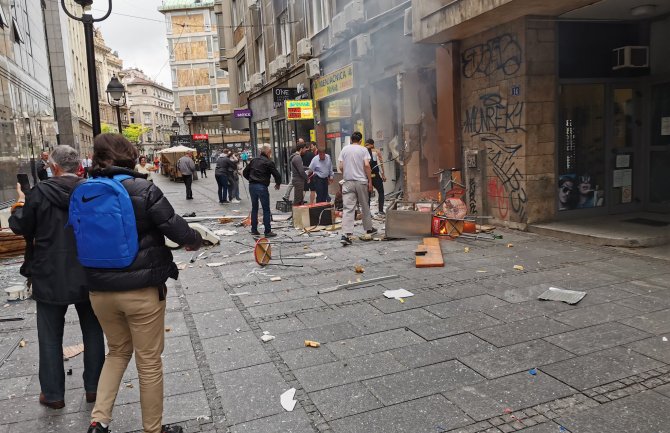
(239, 294)
(310, 343)
(313, 254)
(533, 371)
(466, 249)
(168, 329)
(665, 339)
(287, 401)
(22, 343)
(181, 266)
(275, 279)
(225, 220)
(433, 257)
(215, 264)
(207, 234)
(129, 385)
(72, 351)
(224, 232)
(267, 337)
(568, 296)
(510, 245)
(69, 372)
(398, 294)
(359, 269)
(349, 285)
(518, 267)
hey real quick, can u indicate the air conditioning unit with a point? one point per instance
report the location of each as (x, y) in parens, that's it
(282, 64)
(408, 22)
(630, 57)
(354, 13)
(338, 27)
(252, 4)
(360, 46)
(257, 81)
(313, 68)
(305, 48)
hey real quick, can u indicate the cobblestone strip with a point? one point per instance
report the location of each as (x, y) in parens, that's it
(218, 419)
(593, 397)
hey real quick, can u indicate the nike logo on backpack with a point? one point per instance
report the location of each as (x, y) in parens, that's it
(85, 199)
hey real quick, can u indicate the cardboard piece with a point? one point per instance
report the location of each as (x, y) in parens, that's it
(433, 257)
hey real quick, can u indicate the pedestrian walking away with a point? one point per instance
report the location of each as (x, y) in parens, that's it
(224, 166)
(244, 156)
(321, 171)
(130, 301)
(258, 172)
(57, 278)
(186, 167)
(298, 175)
(202, 165)
(377, 170)
(354, 164)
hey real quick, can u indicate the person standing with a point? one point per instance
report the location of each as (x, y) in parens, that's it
(86, 164)
(307, 157)
(321, 168)
(258, 173)
(186, 167)
(298, 175)
(354, 163)
(202, 164)
(287, 194)
(377, 170)
(223, 168)
(57, 278)
(234, 178)
(245, 157)
(130, 302)
(43, 167)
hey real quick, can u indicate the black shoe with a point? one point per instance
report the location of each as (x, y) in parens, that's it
(95, 427)
(224, 202)
(171, 429)
(189, 198)
(372, 231)
(270, 234)
(255, 233)
(381, 213)
(346, 240)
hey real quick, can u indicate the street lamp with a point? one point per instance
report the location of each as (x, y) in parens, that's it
(175, 129)
(188, 117)
(88, 21)
(116, 92)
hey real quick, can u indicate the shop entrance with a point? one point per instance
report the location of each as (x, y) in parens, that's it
(281, 149)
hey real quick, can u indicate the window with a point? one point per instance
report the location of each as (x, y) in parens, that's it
(238, 7)
(284, 33)
(260, 55)
(241, 75)
(146, 116)
(144, 91)
(223, 97)
(317, 15)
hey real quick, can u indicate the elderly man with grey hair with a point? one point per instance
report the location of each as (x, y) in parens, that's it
(57, 278)
(258, 172)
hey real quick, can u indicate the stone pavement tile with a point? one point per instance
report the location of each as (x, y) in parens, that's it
(425, 415)
(589, 316)
(639, 287)
(345, 400)
(314, 319)
(512, 359)
(174, 383)
(285, 307)
(353, 294)
(464, 306)
(322, 334)
(654, 347)
(209, 301)
(176, 325)
(599, 368)
(53, 422)
(598, 337)
(664, 389)
(444, 349)
(654, 323)
(251, 300)
(351, 370)
(466, 290)
(646, 412)
(379, 321)
(371, 343)
(230, 352)
(518, 391)
(307, 357)
(662, 280)
(547, 427)
(296, 293)
(440, 328)
(250, 393)
(219, 322)
(645, 304)
(420, 299)
(286, 422)
(14, 386)
(421, 382)
(526, 310)
(28, 407)
(282, 326)
(602, 295)
(178, 344)
(519, 294)
(520, 331)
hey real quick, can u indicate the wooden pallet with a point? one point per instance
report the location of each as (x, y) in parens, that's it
(433, 257)
(11, 245)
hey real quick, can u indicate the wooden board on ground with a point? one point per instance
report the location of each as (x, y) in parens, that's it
(433, 257)
(485, 228)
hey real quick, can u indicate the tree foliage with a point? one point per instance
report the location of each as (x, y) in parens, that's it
(133, 132)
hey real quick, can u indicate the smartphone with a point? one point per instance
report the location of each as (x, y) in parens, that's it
(23, 180)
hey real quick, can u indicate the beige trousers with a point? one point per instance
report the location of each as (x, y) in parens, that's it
(355, 192)
(133, 321)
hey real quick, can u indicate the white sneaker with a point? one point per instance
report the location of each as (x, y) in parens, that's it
(235, 201)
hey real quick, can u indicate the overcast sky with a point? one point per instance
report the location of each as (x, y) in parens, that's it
(140, 42)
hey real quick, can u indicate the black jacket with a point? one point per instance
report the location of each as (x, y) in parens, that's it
(51, 252)
(155, 219)
(260, 169)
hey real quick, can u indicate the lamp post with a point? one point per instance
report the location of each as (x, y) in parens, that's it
(175, 129)
(116, 96)
(88, 21)
(188, 117)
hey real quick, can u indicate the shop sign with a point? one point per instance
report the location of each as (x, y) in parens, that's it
(242, 114)
(282, 94)
(332, 135)
(300, 110)
(181, 140)
(200, 137)
(334, 83)
(312, 135)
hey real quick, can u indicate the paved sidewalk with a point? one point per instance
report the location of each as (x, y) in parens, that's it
(455, 357)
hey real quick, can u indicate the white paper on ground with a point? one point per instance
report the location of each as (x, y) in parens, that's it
(313, 254)
(267, 338)
(215, 265)
(224, 232)
(287, 401)
(398, 294)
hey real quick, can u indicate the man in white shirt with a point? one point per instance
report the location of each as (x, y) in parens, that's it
(86, 164)
(354, 164)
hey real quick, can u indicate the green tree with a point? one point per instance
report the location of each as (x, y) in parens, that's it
(133, 132)
(107, 128)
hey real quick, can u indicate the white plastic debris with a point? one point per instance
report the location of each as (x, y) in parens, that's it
(398, 294)
(215, 265)
(664, 339)
(239, 294)
(224, 232)
(568, 296)
(287, 401)
(313, 254)
(275, 279)
(267, 337)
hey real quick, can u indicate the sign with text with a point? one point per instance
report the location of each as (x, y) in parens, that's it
(242, 114)
(300, 110)
(282, 94)
(334, 83)
(200, 137)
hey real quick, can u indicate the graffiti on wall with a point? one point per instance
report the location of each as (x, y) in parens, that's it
(492, 114)
(508, 177)
(502, 53)
(472, 196)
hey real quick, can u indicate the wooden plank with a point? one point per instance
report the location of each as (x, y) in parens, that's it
(433, 257)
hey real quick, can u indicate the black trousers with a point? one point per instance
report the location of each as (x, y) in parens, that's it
(378, 184)
(188, 180)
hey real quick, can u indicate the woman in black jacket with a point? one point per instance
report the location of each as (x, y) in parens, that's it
(130, 302)
(57, 278)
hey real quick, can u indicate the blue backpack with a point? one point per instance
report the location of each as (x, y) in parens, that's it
(103, 219)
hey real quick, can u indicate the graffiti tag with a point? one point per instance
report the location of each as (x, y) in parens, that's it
(492, 114)
(502, 53)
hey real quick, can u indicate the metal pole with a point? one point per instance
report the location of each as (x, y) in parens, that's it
(33, 170)
(118, 118)
(92, 80)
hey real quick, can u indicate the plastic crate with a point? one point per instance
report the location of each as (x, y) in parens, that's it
(284, 206)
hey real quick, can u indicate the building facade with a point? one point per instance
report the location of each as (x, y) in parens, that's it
(107, 65)
(150, 105)
(554, 110)
(26, 111)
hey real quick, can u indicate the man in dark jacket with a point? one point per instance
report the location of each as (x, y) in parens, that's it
(258, 173)
(298, 175)
(224, 168)
(58, 279)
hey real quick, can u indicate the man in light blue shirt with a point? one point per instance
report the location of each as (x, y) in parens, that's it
(321, 172)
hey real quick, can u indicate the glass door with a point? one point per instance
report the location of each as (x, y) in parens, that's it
(659, 149)
(281, 149)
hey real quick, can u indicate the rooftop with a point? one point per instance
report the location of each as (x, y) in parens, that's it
(169, 5)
